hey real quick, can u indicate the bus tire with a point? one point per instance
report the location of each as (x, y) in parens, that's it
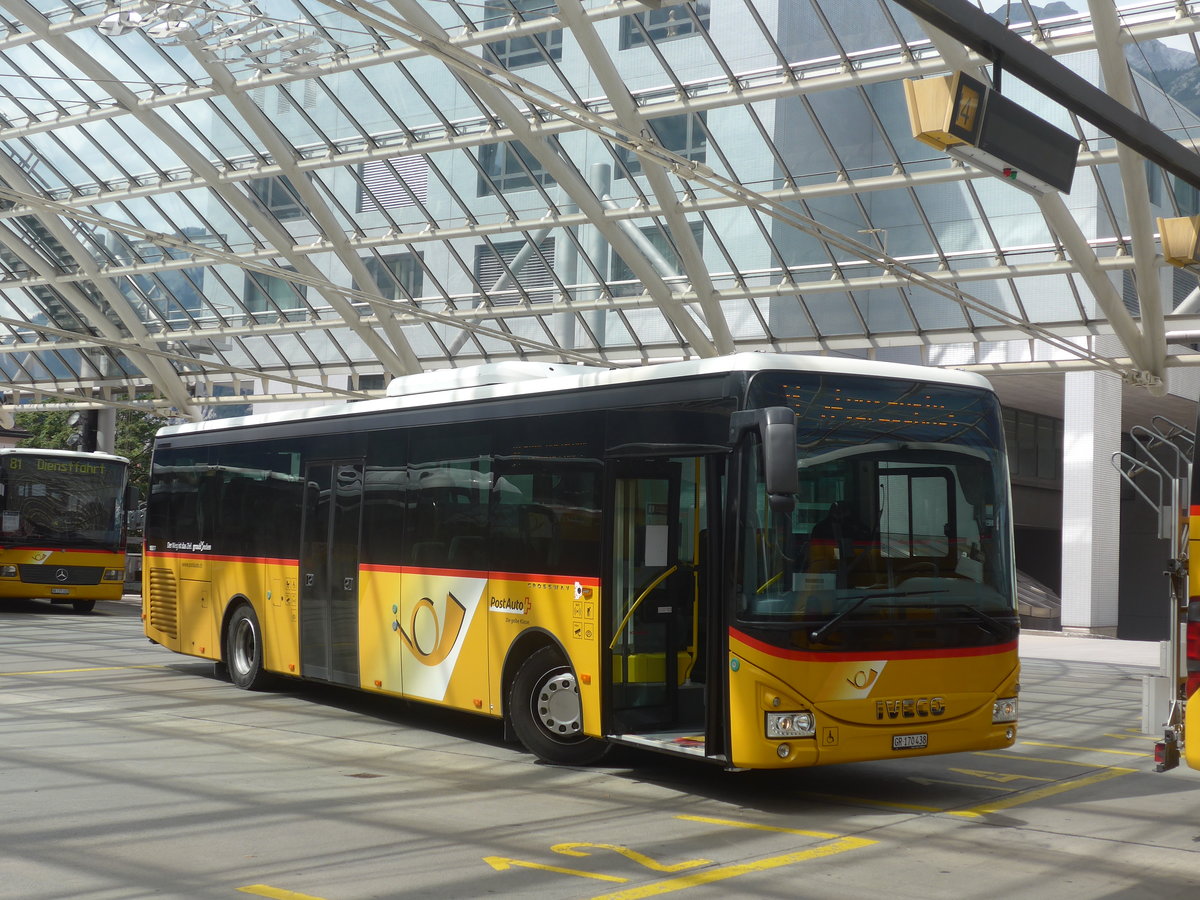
(83, 606)
(546, 712)
(244, 650)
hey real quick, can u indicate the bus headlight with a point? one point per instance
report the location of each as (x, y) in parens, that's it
(8, 571)
(114, 574)
(790, 725)
(1004, 710)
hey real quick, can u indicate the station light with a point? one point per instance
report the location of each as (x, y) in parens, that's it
(84, 424)
(1180, 238)
(975, 124)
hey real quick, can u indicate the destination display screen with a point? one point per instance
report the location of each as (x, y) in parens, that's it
(61, 499)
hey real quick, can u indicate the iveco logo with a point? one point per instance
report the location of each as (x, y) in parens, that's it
(60, 575)
(910, 708)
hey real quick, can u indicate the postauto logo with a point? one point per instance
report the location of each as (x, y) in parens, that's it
(428, 638)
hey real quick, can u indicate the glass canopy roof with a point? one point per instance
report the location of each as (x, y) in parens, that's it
(207, 203)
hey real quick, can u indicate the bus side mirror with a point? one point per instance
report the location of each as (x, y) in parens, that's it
(776, 426)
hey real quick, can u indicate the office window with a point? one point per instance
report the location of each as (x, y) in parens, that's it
(622, 280)
(277, 195)
(1186, 196)
(511, 168)
(517, 52)
(393, 183)
(392, 271)
(535, 276)
(683, 134)
(659, 25)
(1035, 446)
(266, 293)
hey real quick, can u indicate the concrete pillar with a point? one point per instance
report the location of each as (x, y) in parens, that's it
(1091, 502)
(106, 430)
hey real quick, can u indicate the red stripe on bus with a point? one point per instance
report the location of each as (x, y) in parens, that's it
(809, 655)
(410, 570)
(1194, 510)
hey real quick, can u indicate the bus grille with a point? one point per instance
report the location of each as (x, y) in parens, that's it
(60, 574)
(164, 602)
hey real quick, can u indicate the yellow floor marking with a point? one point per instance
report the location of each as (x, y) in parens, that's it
(732, 824)
(1086, 749)
(1002, 777)
(1133, 737)
(500, 863)
(862, 801)
(1042, 759)
(973, 785)
(1041, 793)
(263, 890)
(640, 858)
(723, 872)
(71, 671)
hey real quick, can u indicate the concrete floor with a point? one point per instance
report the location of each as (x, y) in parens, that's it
(129, 772)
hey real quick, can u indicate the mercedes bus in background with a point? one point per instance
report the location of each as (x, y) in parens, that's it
(62, 526)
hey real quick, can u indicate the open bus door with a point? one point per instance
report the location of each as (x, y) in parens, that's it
(658, 589)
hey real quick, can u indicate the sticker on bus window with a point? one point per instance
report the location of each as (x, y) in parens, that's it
(11, 521)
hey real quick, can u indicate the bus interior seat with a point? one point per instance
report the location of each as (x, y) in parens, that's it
(467, 552)
(429, 553)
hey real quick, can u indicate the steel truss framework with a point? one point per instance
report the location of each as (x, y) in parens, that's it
(204, 205)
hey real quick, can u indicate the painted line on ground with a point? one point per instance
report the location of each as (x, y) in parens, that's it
(73, 671)
(721, 873)
(265, 890)
(1084, 749)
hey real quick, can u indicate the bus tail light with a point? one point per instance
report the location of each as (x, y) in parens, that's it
(1166, 752)
(790, 725)
(1004, 710)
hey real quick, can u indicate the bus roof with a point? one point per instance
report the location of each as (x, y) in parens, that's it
(66, 454)
(514, 379)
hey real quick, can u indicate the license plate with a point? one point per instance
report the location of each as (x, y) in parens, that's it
(910, 741)
(60, 591)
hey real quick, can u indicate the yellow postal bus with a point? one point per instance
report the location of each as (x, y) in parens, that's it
(62, 526)
(759, 561)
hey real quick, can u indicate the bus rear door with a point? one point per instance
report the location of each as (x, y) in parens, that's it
(329, 555)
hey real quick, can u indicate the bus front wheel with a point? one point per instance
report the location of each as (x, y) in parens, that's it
(547, 714)
(83, 606)
(244, 650)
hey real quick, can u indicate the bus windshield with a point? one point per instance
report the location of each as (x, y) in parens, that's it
(51, 500)
(899, 535)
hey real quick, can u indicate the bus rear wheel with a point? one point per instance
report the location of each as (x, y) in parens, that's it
(547, 714)
(244, 650)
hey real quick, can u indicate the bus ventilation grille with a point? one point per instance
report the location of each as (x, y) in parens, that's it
(164, 602)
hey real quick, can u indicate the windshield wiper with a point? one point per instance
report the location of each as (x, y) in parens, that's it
(816, 636)
(990, 623)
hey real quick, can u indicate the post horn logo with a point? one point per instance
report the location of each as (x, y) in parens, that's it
(863, 679)
(429, 640)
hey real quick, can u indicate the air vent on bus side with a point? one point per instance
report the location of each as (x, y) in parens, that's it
(164, 602)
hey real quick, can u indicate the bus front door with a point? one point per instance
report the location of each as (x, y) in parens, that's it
(329, 572)
(653, 629)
